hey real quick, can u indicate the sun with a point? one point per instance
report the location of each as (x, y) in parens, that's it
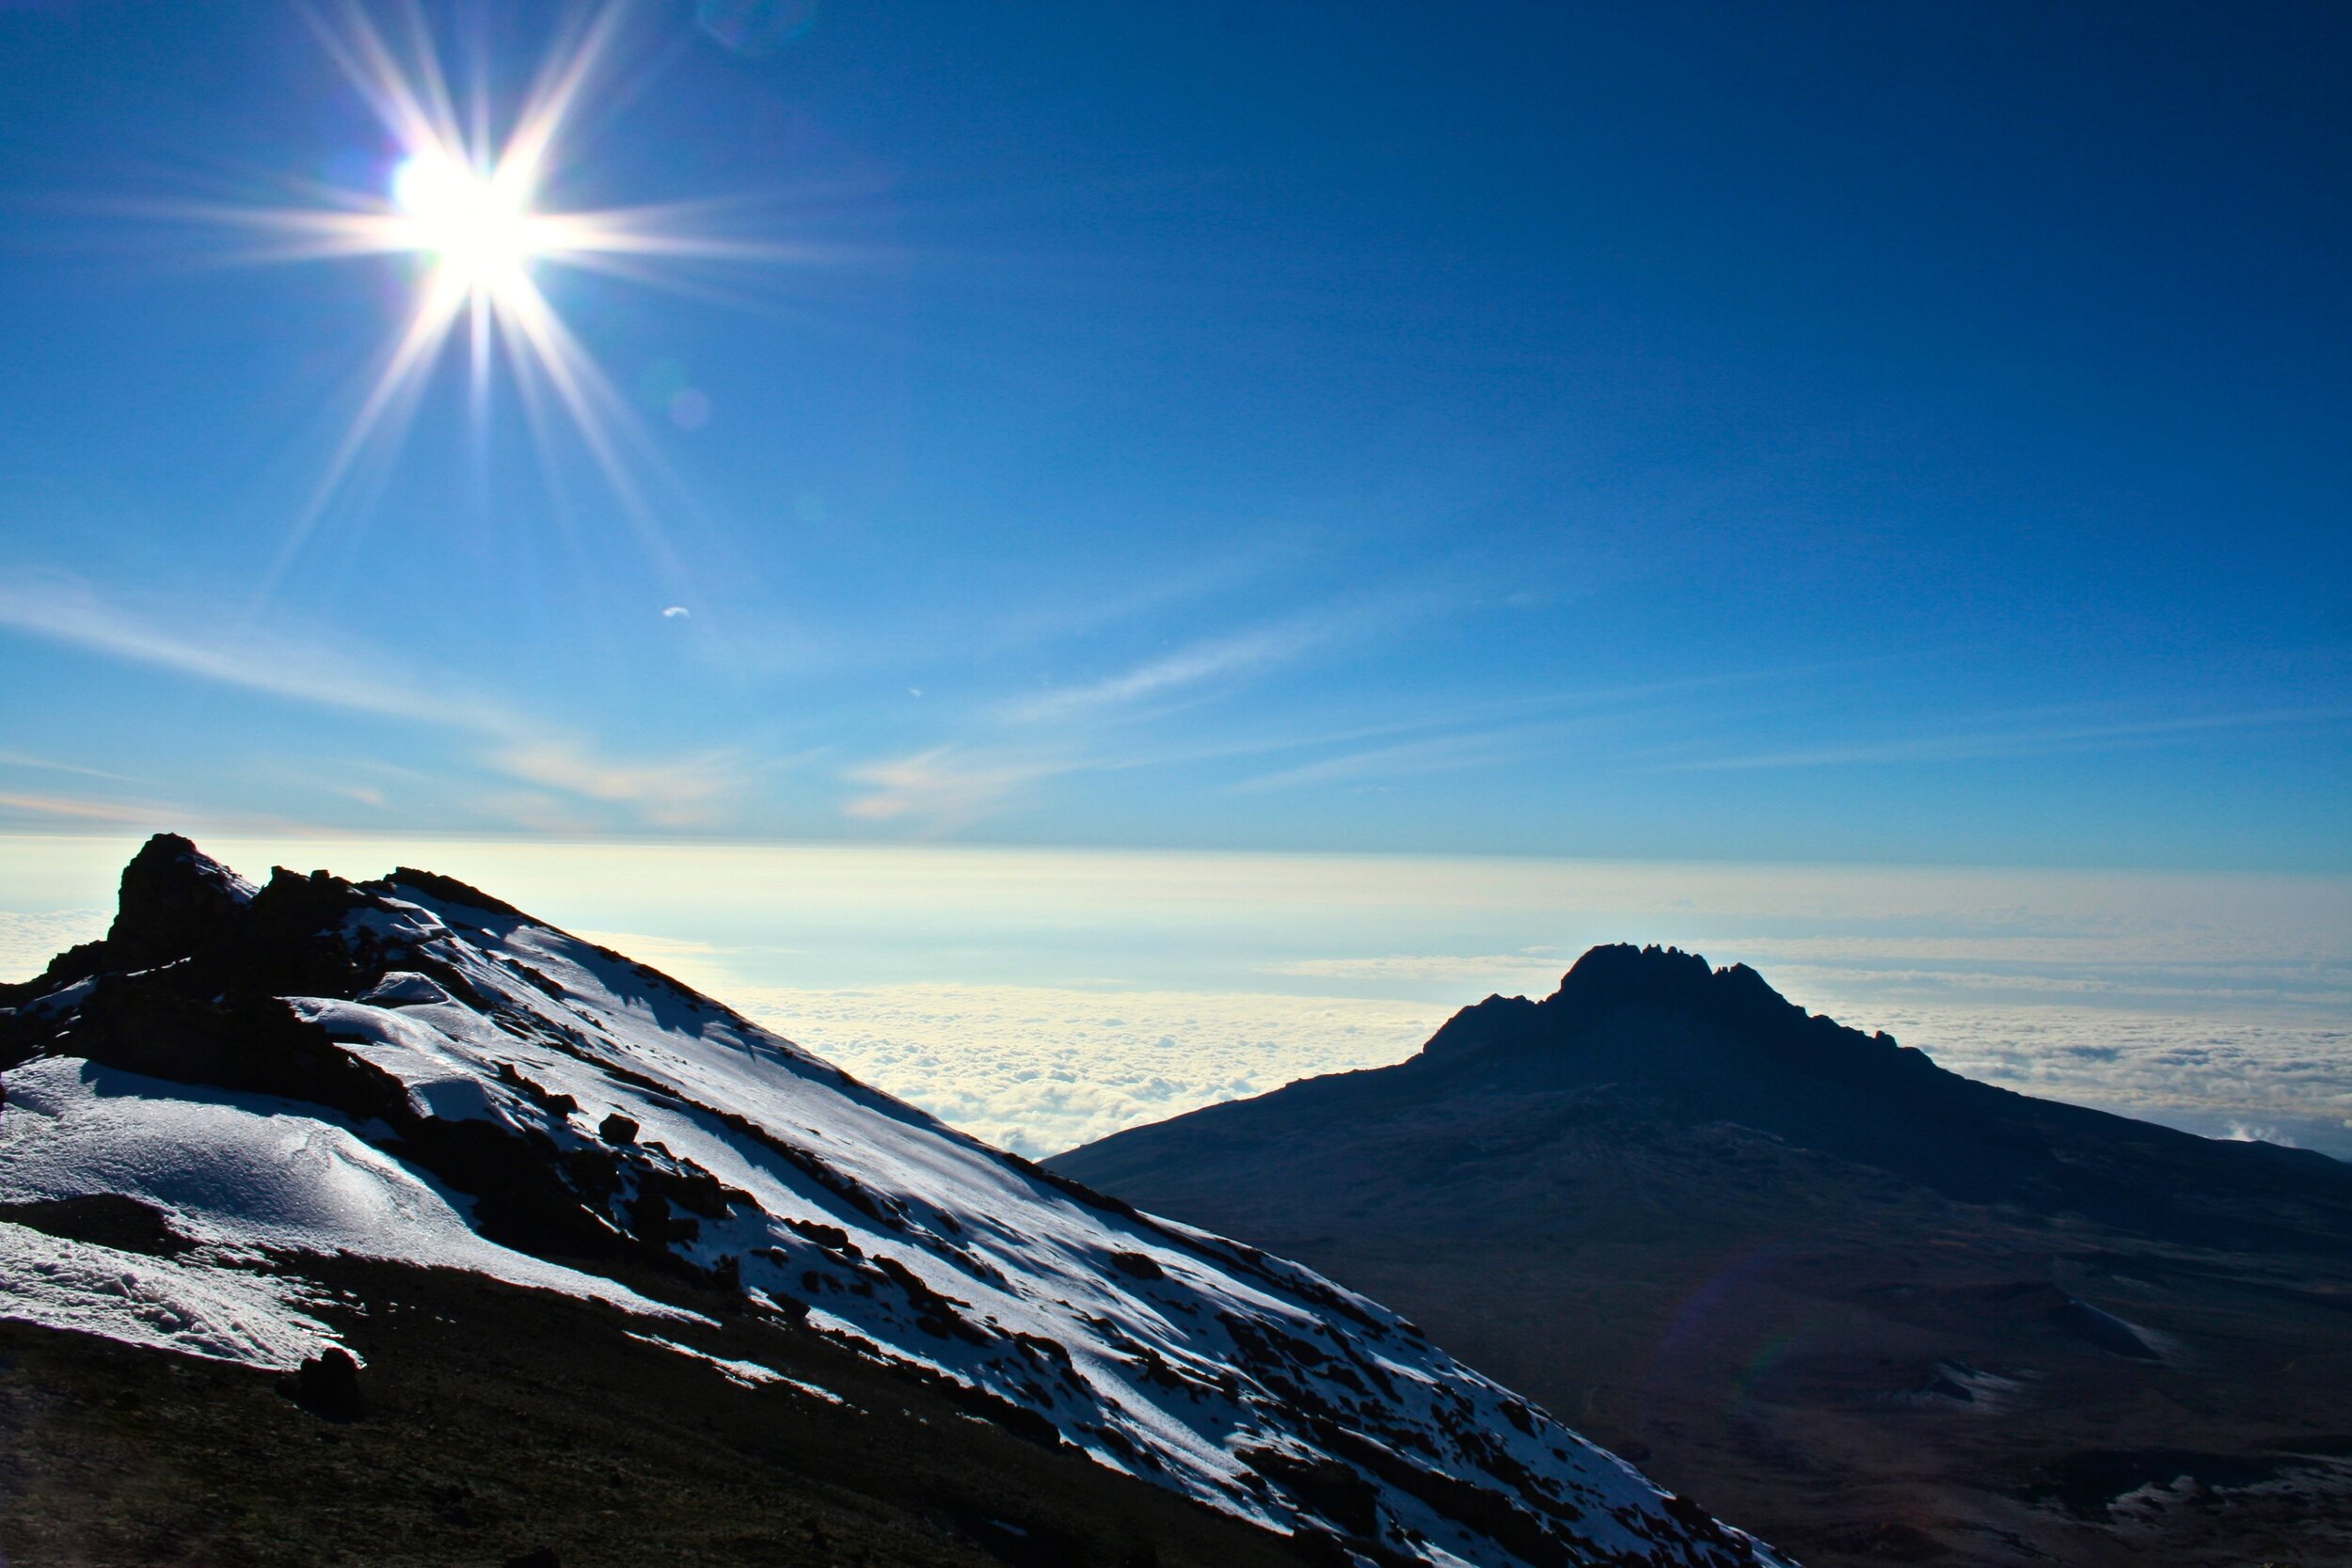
(468, 206)
(479, 231)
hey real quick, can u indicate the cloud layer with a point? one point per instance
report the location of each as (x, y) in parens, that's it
(1038, 1070)
(2287, 1082)
(1047, 998)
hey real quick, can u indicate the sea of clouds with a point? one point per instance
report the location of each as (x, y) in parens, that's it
(1044, 999)
(1039, 1071)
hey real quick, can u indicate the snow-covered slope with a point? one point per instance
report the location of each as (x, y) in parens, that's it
(409, 1069)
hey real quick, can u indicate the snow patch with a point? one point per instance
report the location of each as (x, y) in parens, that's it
(220, 1313)
(749, 1374)
(247, 1172)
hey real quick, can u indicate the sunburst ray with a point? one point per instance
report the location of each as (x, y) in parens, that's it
(467, 208)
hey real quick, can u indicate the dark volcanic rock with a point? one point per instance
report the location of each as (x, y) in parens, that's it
(107, 1219)
(327, 1385)
(174, 899)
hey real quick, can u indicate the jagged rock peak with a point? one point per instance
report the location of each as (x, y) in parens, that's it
(173, 896)
(450, 890)
(1618, 984)
(1619, 974)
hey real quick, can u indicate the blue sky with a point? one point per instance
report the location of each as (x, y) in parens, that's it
(1811, 432)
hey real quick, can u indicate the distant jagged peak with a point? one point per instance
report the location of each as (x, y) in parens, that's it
(1669, 999)
(173, 896)
(1619, 974)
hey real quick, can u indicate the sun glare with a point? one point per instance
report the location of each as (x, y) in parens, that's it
(466, 205)
(479, 231)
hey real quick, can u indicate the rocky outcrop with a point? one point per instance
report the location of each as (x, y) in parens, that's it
(327, 1385)
(174, 899)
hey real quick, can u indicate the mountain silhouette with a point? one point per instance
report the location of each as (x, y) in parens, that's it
(1888, 1312)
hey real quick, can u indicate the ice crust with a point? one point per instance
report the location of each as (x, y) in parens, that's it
(210, 1309)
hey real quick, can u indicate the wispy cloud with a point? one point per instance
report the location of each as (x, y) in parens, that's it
(1441, 754)
(137, 814)
(338, 674)
(1991, 744)
(1064, 733)
(1233, 657)
(1055, 734)
(63, 611)
(943, 788)
(1242, 653)
(676, 794)
(81, 809)
(1099, 603)
(47, 765)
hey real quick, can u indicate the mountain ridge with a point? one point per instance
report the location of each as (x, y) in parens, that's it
(1722, 1041)
(413, 1070)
